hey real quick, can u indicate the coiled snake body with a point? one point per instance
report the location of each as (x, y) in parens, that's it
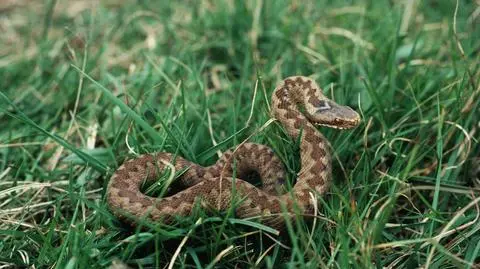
(214, 186)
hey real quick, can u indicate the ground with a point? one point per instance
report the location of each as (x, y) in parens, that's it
(85, 85)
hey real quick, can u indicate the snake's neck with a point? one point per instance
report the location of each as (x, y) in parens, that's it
(315, 172)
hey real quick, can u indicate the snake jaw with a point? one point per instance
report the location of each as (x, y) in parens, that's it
(348, 125)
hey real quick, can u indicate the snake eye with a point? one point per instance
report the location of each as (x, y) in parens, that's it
(322, 106)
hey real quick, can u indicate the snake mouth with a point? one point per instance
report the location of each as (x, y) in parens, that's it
(339, 123)
(339, 127)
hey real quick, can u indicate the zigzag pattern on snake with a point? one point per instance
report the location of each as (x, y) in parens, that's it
(214, 186)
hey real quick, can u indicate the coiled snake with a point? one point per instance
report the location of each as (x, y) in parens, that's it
(214, 186)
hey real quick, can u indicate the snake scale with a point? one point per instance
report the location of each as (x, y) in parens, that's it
(297, 103)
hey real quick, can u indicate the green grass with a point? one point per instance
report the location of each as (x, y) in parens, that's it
(85, 86)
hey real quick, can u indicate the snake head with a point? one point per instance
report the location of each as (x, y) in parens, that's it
(326, 112)
(297, 92)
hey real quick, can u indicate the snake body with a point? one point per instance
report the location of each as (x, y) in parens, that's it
(214, 186)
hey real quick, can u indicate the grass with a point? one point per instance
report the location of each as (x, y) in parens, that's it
(85, 86)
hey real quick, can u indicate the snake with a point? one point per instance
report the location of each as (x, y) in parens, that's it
(299, 105)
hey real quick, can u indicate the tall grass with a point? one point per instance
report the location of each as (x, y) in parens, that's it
(87, 85)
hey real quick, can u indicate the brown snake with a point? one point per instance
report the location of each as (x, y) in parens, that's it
(214, 187)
